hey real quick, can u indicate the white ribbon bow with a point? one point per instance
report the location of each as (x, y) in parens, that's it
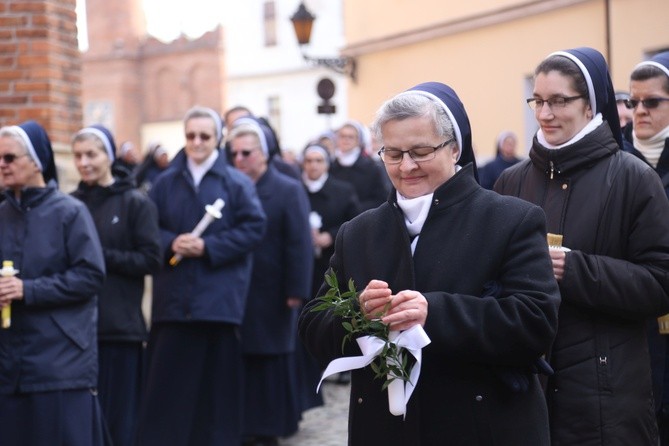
(399, 392)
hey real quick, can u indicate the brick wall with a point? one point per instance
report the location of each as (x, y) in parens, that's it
(40, 67)
(40, 72)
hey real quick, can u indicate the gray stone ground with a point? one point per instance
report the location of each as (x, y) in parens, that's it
(325, 425)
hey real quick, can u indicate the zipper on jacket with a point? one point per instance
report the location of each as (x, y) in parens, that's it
(552, 170)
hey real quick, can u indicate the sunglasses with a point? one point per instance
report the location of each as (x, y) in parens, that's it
(243, 153)
(203, 136)
(9, 158)
(647, 103)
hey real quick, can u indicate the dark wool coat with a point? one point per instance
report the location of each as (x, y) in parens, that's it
(366, 177)
(336, 203)
(211, 288)
(281, 267)
(657, 343)
(127, 223)
(482, 264)
(614, 216)
(52, 343)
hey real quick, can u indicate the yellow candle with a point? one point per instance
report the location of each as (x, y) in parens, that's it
(6, 314)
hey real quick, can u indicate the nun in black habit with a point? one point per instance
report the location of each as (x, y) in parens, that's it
(467, 266)
(612, 215)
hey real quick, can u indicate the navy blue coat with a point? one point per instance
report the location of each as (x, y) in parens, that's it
(213, 287)
(282, 266)
(52, 342)
(489, 173)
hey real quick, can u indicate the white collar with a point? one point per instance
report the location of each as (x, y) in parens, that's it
(314, 186)
(199, 170)
(592, 125)
(349, 158)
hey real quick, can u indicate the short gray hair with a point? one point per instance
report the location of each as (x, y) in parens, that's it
(407, 105)
(11, 132)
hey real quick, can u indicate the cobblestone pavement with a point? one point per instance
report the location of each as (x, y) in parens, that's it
(326, 425)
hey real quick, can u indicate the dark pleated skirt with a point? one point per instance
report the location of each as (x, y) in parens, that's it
(194, 384)
(271, 401)
(58, 418)
(119, 387)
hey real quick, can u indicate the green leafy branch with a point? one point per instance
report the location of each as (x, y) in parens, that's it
(392, 361)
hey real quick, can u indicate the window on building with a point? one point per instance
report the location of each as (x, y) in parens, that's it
(269, 18)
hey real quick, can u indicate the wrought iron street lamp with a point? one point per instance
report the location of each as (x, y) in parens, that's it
(303, 21)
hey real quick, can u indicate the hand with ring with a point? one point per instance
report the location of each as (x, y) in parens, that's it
(374, 298)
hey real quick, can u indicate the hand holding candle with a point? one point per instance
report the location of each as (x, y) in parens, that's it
(558, 254)
(316, 222)
(212, 212)
(7, 271)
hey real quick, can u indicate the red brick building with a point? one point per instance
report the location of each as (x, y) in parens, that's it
(134, 83)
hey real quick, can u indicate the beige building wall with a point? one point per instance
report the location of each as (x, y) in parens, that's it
(487, 51)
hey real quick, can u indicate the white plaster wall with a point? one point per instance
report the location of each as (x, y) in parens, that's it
(256, 72)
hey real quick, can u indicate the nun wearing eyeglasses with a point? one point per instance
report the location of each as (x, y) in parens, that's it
(608, 222)
(648, 139)
(281, 282)
(467, 266)
(127, 224)
(48, 351)
(193, 390)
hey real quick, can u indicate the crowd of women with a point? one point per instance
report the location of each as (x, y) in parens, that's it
(536, 301)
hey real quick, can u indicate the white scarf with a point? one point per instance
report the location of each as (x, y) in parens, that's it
(592, 125)
(652, 148)
(199, 170)
(314, 186)
(415, 213)
(349, 158)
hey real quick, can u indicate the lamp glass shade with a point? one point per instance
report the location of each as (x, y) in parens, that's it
(302, 20)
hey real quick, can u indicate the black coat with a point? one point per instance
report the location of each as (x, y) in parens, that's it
(472, 242)
(336, 202)
(657, 343)
(366, 177)
(127, 223)
(613, 214)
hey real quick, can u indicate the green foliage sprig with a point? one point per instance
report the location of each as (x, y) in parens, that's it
(391, 363)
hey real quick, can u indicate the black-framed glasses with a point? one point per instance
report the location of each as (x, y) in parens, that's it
(203, 136)
(648, 103)
(244, 153)
(553, 103)
(9, 158)
(418, 154)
